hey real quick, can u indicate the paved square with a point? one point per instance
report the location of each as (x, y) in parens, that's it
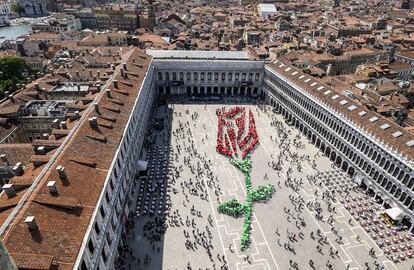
(194, 178)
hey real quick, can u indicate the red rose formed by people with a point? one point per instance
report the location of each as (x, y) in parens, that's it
(232, 137)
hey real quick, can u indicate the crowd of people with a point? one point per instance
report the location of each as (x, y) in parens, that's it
(228, 143)
(201, 184)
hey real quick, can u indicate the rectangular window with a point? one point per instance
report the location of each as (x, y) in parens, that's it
(223, 76)
(103, 254)
(230, 77)
(202, 76)
(91, 246)
(97, 230)
(195, 76)
(216, 76)
(181, 76)
(108, 239)
(250, 76)
(209, 76)
(188, 76)
(102, 212)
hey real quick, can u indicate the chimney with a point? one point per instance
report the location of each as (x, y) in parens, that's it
(116, 84)
(108, 93)
(55, 123)
(63, 125)
(31, 223)
(96, 105)
(77, 114)
(98, 74)
(77, 73)
(124, 66)
(61, 171)
(52, 187)
(45, 136)
(113, 66)
(122, 72)
(90, 73)
(10, 191)
(18, 169)
(3, 158)
(93, 121)
(79, 87)
(37, 86)
(11, 97)
(40, 150)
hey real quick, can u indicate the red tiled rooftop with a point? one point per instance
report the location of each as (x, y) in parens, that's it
(86, 163)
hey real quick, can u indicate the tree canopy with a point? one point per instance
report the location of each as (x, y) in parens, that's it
(13, 70)
(16, 7)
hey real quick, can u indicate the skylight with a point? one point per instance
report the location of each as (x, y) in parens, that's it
(397, 134)
(385, 126)
(373, 119)
(352, 107)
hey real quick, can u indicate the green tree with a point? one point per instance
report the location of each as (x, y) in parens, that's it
(13, 70)
(17, 8)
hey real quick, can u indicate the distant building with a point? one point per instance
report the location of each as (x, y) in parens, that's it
(4, 20)
(66, 23)
(87, 18)
(345, 31)
(116, 17)
(406, 57)
(34, 8)
(266, 10)
(5, 7)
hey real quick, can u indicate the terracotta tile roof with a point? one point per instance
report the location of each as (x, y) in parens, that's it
(40, 262)
(17, 152)
(86, 159)
(386, 136)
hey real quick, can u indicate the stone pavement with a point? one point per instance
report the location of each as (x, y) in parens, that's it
(267, 248)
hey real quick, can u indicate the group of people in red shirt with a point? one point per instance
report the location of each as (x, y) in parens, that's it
(228, 142)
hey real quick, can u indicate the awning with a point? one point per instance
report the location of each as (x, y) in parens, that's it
(142, 165)
(395, 213)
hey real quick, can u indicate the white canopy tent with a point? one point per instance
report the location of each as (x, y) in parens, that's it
(395, 213)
